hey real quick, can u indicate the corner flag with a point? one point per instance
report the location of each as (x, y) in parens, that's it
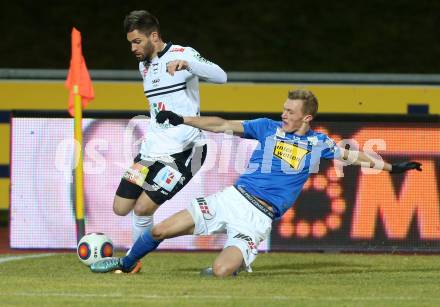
(81, 91)
(78, 75)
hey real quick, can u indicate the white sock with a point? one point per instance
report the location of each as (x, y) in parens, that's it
(139, 225)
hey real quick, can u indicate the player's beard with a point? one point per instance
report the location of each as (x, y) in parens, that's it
(148, 51)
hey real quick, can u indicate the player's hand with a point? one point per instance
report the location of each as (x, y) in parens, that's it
(176, 65)
(173, 118)
(402, 167)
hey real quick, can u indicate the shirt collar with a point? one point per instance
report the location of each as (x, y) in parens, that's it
(167, 47)
(292, 134)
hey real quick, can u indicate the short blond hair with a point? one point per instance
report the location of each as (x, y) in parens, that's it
(310, 102)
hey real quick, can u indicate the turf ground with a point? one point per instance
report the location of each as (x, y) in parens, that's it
(172, 279)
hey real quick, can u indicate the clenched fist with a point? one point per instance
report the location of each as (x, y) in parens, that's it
(176, 65)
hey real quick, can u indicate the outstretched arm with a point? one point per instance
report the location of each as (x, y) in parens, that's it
(193, 62)
(362, 159)
(209, 123)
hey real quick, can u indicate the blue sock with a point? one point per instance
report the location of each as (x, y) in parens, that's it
(143, 245)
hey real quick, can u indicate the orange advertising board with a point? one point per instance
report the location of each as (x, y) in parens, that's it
(358, 210)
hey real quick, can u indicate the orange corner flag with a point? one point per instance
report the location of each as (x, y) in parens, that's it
(78, 75)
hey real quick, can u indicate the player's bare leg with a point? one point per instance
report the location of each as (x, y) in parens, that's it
(122, 206)
(142, 219)
(228, 262)
(178, 224)
(143, 209)
(145, 205)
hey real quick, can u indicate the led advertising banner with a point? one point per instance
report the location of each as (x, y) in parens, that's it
(341, 207)
(353, 209)
(42, 181)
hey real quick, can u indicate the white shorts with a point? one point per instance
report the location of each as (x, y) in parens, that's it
(230, 212)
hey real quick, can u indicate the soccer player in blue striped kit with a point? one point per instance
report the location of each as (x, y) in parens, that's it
(288, 151)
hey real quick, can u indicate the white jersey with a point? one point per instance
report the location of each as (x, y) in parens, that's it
(178, 93)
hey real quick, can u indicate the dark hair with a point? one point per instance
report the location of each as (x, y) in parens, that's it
(310, 102)
(142, 21)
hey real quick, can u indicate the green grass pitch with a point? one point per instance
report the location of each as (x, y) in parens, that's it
(279, 279)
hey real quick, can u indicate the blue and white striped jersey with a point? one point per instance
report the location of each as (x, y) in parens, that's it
(282, 162)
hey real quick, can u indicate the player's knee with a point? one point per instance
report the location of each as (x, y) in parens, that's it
(144, 207)
(221, 270)
(158, 232)
(118, 210)
(122, 206)
(142, 210)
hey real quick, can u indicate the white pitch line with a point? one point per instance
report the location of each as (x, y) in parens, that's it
(221, 297)
(15, 258)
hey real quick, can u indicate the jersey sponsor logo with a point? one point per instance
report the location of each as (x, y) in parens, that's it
(157, 107)
(252, 246)
(155, 68)
(290, 153)
(136, 174)
(167, 178)
(177, 49)
(203, 205)
(155, 82)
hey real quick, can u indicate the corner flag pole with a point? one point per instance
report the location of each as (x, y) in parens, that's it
(81, 91)
(79, 178)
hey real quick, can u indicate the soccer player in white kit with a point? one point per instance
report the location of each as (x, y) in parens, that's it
(288, 153)
(169, 156)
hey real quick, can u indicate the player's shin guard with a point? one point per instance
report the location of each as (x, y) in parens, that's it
(143, 245)
(139, 225)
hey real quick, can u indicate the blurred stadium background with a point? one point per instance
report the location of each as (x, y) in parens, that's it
(375, 69)
(373, 65)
